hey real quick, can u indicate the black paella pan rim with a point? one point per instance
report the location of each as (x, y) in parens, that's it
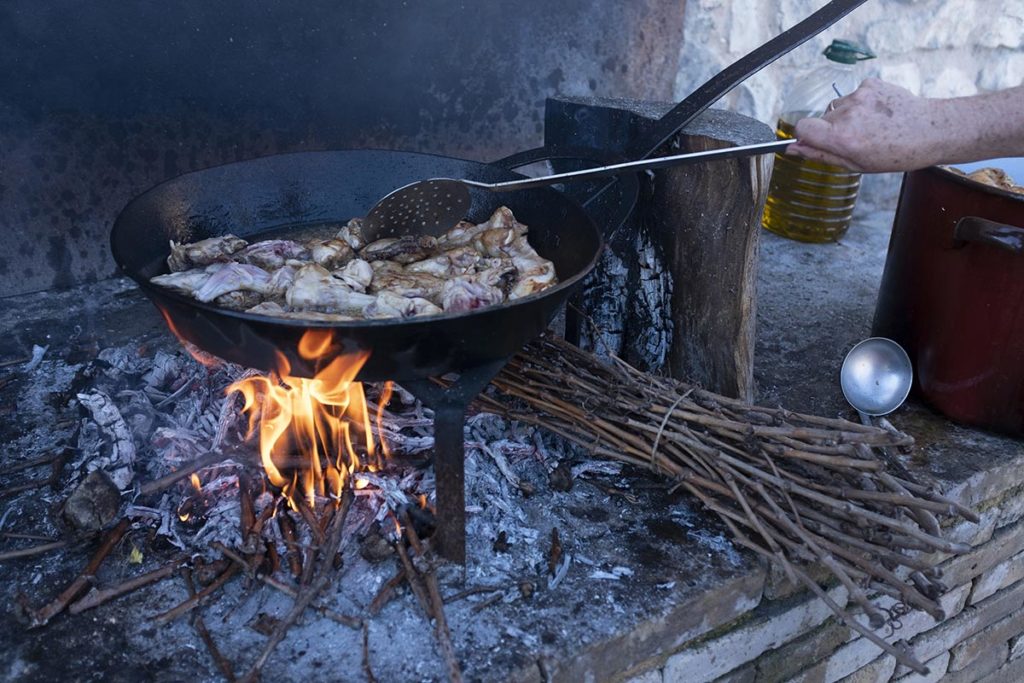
(119, 246)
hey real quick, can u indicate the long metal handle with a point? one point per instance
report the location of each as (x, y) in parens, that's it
(641, 164)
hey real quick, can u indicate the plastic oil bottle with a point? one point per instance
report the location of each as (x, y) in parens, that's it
(808, 200)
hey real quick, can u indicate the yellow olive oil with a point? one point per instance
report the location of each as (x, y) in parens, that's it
(808, 200)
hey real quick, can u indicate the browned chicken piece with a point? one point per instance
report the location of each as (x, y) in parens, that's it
(352, 234)
(331, 254)
(187, 281)
(453, 262)
(394, 305)
(276, 310)
(500, 273)
(496, 242)
(233, 277)
(280, 280)
(357, 274)
(463, 294)
(409, 284)
(203, 252)
(315, 289)
(464, 233)
(271, 254)
(238, 300)
(386, 267)
(401, 249)
(535, 274)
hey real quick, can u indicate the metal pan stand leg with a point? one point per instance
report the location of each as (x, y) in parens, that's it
(449, 405)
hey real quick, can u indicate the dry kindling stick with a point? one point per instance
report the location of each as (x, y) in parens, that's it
(204, 634)
(444, 636)
(42, 616)
(99, 596)
(199, 598)
(291, 592)
(34, 550)
(307, 594)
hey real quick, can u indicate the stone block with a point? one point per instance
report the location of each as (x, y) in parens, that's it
(711, 659)
(744, 674)
(985, 641)
(937, 667)
(1005, 543)
(1017, 647)
(971, 620)
(998, 577)
(981, 669)
(652, 676)
(878, 671)
(1011, 672)
(689, 619)
(786, 661)
(860, 652)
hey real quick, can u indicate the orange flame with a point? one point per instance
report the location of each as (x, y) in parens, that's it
(305, 426)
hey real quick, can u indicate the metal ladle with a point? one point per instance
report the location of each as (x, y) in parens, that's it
(876, 377)
(429, 207)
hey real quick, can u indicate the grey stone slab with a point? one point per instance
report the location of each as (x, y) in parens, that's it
(1004, 544)
(986, 641)
(971, 620)
(784, 662)
(1011, 672)
(878, 671)
(982, 668)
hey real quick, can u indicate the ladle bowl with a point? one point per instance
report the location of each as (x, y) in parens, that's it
(876, 377)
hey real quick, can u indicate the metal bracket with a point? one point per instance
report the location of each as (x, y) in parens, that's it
(449, 405)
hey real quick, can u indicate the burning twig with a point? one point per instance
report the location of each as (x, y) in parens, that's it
(163, 483)
(307, 594)
(287, 527)
(99, 596)
(792, 488)
(204, 634)
(42, 616)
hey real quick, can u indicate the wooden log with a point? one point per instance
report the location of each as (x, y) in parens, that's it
(675, 290)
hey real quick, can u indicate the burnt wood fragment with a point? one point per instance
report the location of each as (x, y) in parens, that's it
(674, 291)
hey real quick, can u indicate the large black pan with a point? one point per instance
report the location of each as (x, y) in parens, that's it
(252, 198)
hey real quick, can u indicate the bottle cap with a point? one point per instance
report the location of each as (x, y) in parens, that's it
(847, 52)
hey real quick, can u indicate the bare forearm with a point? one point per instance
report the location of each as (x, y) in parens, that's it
(882, 127)
(984, 126)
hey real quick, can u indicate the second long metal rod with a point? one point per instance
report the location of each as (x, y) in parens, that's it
(640, 164)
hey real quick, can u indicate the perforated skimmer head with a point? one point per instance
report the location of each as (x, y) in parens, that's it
(426, 207)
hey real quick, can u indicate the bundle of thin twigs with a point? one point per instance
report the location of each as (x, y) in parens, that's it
(793, 488)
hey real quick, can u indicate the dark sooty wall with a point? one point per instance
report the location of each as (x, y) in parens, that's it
(100, 100)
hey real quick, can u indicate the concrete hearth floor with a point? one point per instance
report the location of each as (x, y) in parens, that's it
(682, 578)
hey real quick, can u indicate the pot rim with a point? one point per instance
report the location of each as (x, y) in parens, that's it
(946, 171)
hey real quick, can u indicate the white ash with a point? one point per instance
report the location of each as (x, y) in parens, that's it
(116, 455)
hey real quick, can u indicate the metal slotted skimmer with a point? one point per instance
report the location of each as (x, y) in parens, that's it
(435, 205)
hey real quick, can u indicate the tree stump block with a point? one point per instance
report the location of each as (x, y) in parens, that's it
(675, 290)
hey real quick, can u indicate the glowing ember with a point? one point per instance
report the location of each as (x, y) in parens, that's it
(312, 432)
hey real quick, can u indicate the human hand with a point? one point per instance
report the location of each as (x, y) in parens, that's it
(878, 127)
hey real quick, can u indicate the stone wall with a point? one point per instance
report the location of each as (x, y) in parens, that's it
(935, 48)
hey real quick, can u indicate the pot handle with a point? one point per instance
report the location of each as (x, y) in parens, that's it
(983, 231)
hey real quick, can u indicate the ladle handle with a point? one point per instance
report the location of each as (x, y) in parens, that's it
(640, 164)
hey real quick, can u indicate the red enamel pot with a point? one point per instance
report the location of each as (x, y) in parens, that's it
(952, 293)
